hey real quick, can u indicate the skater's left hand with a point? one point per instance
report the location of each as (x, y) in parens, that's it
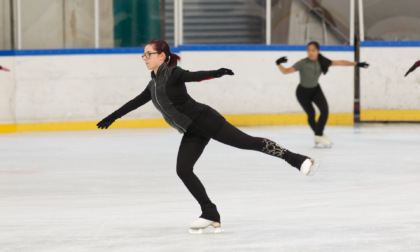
(362, 64)
(222, 71)
(106, 122)
(417, 64)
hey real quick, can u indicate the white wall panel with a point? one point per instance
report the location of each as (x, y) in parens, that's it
(89, 87)
(383, 85)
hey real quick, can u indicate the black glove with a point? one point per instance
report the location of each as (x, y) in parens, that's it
(417, 64)
(106, 122)
(222, 71)
(281, 60)
(362, 64)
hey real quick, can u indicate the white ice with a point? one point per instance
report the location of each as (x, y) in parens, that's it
(117, 190)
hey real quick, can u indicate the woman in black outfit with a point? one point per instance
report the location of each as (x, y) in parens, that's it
(309, 91)
(198, 122)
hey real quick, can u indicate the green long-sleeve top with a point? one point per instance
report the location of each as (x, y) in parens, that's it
(309, 71)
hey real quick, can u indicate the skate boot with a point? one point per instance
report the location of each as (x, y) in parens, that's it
(209, 217)
(323, 140)
(199, 226)
(306, 165)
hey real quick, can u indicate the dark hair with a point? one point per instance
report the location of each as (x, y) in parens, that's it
(161, 46)
(323, 61)
(314, 43)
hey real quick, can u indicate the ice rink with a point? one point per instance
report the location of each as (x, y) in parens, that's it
(117, 190)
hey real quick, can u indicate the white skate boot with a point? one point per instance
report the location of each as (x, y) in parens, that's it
(198, 226)
(323, 140)
(309, 167)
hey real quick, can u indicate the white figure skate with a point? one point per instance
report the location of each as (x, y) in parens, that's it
(199, 226)
(323, 140)
(309, 167)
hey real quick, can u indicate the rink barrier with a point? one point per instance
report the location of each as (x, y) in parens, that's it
(390, 115)
(238, 120)
(389, 97)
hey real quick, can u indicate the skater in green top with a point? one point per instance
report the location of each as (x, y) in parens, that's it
(309, 91)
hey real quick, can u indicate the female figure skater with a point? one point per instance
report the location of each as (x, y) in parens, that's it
(309, 91)
(198, 122)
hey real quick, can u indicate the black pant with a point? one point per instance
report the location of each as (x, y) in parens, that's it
(305, 97)
(210, 124)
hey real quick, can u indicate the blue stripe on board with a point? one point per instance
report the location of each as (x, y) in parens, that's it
(139, 50)
(390, 44)
(123, 50)
(260, 48)
(7, 53)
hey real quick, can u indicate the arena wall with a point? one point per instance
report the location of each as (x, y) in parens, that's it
(385, 94)
(73, 89)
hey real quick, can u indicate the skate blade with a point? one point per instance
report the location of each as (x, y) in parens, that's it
(320, 146)
(208, 230)
(314, 168)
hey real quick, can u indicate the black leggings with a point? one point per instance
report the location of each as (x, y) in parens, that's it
(305, 97)
(210, 124)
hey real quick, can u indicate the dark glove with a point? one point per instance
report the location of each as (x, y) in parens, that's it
(222, 71)
(106, 122)
(417, 64)
(362, 64)
(281, 60)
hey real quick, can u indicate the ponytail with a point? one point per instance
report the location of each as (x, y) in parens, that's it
(324, 62)
(172, 59)
(161, 46)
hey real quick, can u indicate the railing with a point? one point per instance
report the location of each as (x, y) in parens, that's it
(111, 23)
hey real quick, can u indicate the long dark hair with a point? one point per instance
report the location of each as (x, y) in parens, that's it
(161, 46)
(323, 61)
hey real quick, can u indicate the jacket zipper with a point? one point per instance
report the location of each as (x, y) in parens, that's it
(157, 101)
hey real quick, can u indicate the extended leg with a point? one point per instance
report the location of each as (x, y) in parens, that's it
(190, 150)
(214, 125)
(232, 136)
(321, 102)
(305, 100)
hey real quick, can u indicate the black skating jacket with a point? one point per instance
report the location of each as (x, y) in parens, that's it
(169, 94)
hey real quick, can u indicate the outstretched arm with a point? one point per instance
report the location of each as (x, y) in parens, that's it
(135, 103)
(343, 63)
(283, 69)
(349, 63)
(412, 68)
(286, 70)
(187, 76)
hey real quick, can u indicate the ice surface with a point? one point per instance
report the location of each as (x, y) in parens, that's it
(117, 190)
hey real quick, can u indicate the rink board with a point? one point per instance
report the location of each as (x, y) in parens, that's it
(385, 94)
(72, 89)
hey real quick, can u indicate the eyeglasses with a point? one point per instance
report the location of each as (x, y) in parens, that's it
(147, 55)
